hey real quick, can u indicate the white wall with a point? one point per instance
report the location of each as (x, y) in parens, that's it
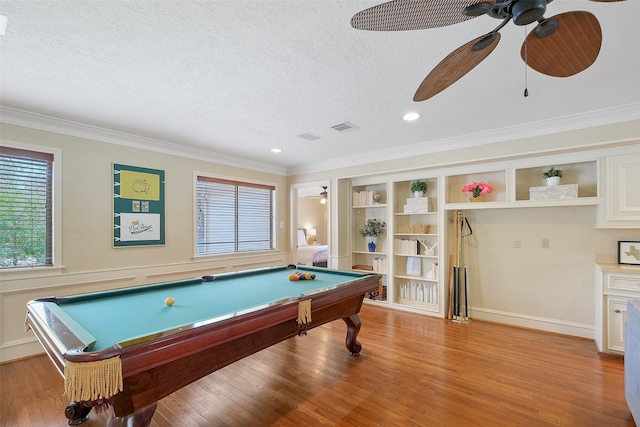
(550, 288)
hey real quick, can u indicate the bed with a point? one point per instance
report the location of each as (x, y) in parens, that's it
(316, 255)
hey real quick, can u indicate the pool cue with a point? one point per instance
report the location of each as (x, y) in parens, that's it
(453, 271)
(465, 260)
(450, 311)
(459, 223)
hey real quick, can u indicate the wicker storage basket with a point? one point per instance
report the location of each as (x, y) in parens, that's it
(418, 228)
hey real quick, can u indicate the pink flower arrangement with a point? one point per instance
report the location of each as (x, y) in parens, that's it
(477, 188)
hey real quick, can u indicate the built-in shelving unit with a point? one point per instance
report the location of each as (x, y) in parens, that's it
(525, 186)
(415, 247)
(370, 201)
(497, 179)
(417, 260)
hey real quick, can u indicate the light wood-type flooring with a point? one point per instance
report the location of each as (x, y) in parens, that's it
(414, 370)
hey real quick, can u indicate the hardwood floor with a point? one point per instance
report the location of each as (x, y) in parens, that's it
(413, 371)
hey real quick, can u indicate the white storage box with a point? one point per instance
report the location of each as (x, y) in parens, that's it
(568, 191)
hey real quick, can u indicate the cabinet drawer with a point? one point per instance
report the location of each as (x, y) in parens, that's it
(624, 283)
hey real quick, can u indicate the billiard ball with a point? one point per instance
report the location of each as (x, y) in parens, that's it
(169, 301)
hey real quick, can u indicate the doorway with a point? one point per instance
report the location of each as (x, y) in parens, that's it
(311, 222)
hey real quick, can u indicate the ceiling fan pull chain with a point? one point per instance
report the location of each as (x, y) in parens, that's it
(526, 91)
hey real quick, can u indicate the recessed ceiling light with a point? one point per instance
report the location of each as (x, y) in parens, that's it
(276, 150)
(411, 116)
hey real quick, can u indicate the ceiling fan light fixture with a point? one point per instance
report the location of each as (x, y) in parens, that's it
(485, 42)
(527, 11)
(547, 27)
(324, 195)
(478, 9)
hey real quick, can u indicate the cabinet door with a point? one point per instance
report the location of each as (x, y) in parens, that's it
(617, 318)
(622, 186)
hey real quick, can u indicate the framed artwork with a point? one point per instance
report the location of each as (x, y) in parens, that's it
(138, 206)
(414, 266)
(629, 253)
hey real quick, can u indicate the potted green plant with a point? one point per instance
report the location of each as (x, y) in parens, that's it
(552, 176)
(373, 229)
(418, 188)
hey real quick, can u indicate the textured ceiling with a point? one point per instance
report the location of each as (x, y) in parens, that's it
(241, 77)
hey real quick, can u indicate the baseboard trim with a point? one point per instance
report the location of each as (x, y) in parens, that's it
(533, 322)
(19, 349)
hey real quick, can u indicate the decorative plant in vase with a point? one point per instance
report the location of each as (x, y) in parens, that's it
(552, 176)
(418, 188)
(477, 190)
(372, 230)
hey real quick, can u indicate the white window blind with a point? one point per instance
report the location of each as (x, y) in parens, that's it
(26, 183)
(234, 216)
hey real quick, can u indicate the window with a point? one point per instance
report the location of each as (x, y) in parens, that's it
(234, 216)
(26, 232)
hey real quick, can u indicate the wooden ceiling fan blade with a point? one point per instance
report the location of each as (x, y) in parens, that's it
(402, 15)
(571, 49)
(455, 66)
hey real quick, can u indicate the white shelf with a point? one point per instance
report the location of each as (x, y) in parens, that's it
(379, 205)
(369, 253)
(419, 256)
(418, 304)
(415, 213)
(420, 278)
(511, 187)
(416, 234)
(368, 271)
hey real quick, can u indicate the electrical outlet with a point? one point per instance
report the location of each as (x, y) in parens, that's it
(516, 243)
(545, 243)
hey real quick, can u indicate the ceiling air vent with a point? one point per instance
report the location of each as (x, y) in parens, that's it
(345, 127)
(308, 136)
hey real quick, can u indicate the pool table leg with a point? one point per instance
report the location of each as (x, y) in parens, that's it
(140, 418)
(77, 413)
(353, 327)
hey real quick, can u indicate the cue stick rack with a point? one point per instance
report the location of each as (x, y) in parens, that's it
(458, 287)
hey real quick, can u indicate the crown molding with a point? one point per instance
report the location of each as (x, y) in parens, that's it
(568, 123)
(613, 115)
(17, 117)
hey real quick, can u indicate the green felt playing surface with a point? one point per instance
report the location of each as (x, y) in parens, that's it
(123, 315)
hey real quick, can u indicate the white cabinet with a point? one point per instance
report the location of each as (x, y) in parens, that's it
(615, 285)
(622, 199)
(616, 319)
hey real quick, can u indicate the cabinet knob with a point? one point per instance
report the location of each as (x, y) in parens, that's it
(617, 311)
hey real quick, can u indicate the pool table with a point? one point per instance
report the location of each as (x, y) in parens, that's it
(128, 348)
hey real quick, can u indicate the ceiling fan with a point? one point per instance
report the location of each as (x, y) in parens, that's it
(323, 196)
(560, 46)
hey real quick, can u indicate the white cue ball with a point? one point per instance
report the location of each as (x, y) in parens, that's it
(169, 301)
